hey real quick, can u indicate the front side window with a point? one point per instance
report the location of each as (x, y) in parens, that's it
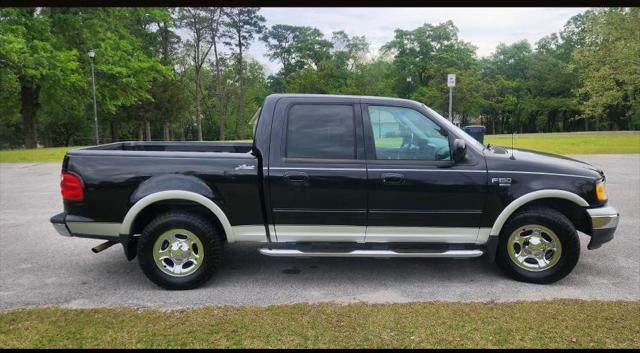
(321, 131)
(405, 134)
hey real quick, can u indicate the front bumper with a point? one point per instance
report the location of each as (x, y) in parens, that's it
(604, 221)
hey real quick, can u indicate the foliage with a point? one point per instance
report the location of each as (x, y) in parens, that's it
(164, 73)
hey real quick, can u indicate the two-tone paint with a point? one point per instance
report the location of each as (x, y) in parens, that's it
(257, 194)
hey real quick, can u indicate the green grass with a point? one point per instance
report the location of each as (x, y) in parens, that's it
(40, 155)
(560, 143)
(538, 324)
(573, 143)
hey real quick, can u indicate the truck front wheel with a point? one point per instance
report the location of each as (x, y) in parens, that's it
(179, 250)
(538, 245)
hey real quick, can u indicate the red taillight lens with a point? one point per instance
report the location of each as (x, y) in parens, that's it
(71, 187)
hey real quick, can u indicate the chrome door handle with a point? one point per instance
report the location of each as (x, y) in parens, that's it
(296, 177)
(392, 178)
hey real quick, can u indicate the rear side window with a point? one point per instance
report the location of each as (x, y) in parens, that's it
(321, 131)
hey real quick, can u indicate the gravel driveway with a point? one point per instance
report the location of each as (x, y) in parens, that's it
(38, 267)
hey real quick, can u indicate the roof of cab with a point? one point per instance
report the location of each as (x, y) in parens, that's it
(360, 99)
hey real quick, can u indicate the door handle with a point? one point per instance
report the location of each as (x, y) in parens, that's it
(392, 178)
(296, 177)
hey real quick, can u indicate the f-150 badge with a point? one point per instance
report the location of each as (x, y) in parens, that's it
(501, 181)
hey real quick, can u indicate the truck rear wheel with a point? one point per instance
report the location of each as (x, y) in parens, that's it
(538, 245)
(179, 250)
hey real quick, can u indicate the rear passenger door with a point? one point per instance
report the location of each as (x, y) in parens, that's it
(317, 174)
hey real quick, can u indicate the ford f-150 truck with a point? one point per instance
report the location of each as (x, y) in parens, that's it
(335, 176)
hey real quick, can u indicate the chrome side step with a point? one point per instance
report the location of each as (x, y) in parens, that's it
(372, 253)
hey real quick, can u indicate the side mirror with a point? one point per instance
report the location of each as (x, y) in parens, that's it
(459, 150)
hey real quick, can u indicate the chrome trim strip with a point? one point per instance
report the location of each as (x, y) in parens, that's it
(381, 170)
(94, 228)
(431, 170)
(426, 211)
(373, 253)
(540, 194)
(540, 173)
(426, 170)
(312, 168)
(317, 210)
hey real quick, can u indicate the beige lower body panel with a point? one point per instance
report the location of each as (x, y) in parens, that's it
(361, 234)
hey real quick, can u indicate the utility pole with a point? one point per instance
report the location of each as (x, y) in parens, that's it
(92, 55)
(409, 86)
(451, 82)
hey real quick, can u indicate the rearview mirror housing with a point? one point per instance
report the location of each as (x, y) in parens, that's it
(459, 150)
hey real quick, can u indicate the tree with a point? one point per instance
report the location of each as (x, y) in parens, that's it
(241, 24)
(296, 47)
(36, 60)
(198, 22)
(217, 16)
(609, 63)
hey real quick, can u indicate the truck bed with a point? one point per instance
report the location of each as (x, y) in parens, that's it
(174, 146)
(116, 175)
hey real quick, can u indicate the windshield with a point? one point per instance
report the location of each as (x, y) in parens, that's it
(458, 130)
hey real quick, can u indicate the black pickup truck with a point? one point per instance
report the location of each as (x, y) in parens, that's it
(330, 176)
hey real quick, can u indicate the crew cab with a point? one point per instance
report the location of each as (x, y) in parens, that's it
(335, 176)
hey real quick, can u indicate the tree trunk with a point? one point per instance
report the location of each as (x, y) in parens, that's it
(147, 126)
(166, 135)
(140, 133)
(219, 94)
(114, 131)
(29, 109)
(241, 122)
(198, 114)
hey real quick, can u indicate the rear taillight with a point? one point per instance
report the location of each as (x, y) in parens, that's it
(71, 187)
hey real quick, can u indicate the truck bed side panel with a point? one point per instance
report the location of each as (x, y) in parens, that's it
(110, 181)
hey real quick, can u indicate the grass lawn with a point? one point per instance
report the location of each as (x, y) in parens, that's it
(541, 324)
(40, 155)
(560, 143)
(573, 143)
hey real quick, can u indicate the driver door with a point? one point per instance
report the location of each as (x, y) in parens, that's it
(415, 192)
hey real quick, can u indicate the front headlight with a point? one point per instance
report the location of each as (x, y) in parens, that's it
(601, 194)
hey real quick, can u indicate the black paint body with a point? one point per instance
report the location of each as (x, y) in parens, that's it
(254, 183)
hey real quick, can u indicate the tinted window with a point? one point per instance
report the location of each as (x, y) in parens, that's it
(320, 131)
(403, 133)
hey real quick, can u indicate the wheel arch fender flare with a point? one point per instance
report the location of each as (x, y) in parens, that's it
(529, 197)
(168, 182)
(176, 195)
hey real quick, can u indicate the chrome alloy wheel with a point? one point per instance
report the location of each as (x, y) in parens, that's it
(178, 252)
(534, 247)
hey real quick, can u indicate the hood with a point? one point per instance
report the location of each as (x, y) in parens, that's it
(529, 160)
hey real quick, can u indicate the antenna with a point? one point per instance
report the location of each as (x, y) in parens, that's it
(512, 142)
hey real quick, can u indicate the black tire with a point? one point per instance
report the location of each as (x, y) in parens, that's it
(556, 222)
(206, 232)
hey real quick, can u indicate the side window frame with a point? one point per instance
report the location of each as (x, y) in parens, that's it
(357, 137)
(370, 148)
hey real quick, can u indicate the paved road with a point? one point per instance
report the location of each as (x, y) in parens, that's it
(38, 267)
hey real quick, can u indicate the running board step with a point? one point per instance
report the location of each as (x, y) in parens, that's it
(372, 253)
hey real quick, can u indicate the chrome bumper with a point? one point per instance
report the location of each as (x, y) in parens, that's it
(603, 217)
(58, 223)
(604, 221)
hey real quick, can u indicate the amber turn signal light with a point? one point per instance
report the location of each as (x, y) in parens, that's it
(600, 192)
